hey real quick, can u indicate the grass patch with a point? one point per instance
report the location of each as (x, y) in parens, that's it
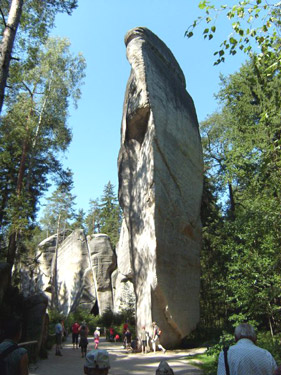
(207, 363)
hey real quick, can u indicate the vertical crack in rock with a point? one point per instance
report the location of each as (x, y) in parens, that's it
(160, 186)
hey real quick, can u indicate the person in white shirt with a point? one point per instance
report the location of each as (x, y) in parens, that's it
(245, 357)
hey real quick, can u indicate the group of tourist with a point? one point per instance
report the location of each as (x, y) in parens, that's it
(144, 341)
(245, 357)
(155, 339)
(80, 333)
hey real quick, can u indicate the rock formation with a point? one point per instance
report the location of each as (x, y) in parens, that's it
(122, 279)
(164, 369)
(31, 309)
(160, 186)
(103, 263)
(72, 265)
(78, 271)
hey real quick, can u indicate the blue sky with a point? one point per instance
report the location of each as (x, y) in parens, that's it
(97, 29)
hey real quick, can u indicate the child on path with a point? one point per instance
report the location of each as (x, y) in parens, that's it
(144, 340)
(97, 337)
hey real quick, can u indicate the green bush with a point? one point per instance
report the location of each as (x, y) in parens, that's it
(54, 318)
(80, 315)
(272, 344)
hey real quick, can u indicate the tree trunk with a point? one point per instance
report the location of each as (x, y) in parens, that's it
(12, 247)
(231, 198)
(54, 286)
(7, 45)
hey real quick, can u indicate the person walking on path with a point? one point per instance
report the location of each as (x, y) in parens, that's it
(144, 340)
(75, 334)
(59, 332)
(97, 337)
(111, 334)
(83, 331)
(15, 358)
(245, 357)
(128, 339)
(156, 338)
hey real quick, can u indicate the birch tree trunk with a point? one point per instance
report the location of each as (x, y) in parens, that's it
(7, 44)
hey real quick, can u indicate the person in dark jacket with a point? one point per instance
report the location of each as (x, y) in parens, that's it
(17, 360)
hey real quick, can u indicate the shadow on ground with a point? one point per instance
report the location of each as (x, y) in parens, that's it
(121, 362)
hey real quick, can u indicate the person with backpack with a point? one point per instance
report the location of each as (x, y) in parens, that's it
(245, 357)
(83, 331)
(127, 339)
(156, 338)
(13, 359)
(59, 333)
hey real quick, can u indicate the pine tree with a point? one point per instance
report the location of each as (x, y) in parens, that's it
(33, 134)
(105, 215)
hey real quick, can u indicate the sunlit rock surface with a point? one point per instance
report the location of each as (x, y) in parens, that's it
(103, 263)
(72, 264)
(160, 186)
(122, 279)
(74, 280)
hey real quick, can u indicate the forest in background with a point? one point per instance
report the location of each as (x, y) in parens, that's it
(240, 258)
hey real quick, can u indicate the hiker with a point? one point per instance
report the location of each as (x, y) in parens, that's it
(15, 359)
(134, 345)
(245, 357)
(127, 338)
(75, 334)
(144, 336)
(111, 334)
(83, 331)
(59, 332)
(116, 338)
(156, 338)
(97, 337)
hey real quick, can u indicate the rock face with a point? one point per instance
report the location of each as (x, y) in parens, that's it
(103, 263)
(123, 290)
(160, 187)
(82, 269)
(36, 321)
(72, 265)
(4, 279)
(72, 270)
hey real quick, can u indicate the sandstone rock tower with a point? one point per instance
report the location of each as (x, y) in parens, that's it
(160, 186)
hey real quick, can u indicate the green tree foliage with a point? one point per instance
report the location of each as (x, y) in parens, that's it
(255, 24)
(242, 154)
(79, 222)
(92, 220)
(105, 215)
(33, 19)
(33, 133)
(59, 212)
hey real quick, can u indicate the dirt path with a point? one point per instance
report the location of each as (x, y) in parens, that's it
(121, 362)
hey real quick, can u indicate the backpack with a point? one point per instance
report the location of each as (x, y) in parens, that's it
(158, 331)
(3, 355)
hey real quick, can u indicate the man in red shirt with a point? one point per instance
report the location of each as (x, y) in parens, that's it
(75, 333)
